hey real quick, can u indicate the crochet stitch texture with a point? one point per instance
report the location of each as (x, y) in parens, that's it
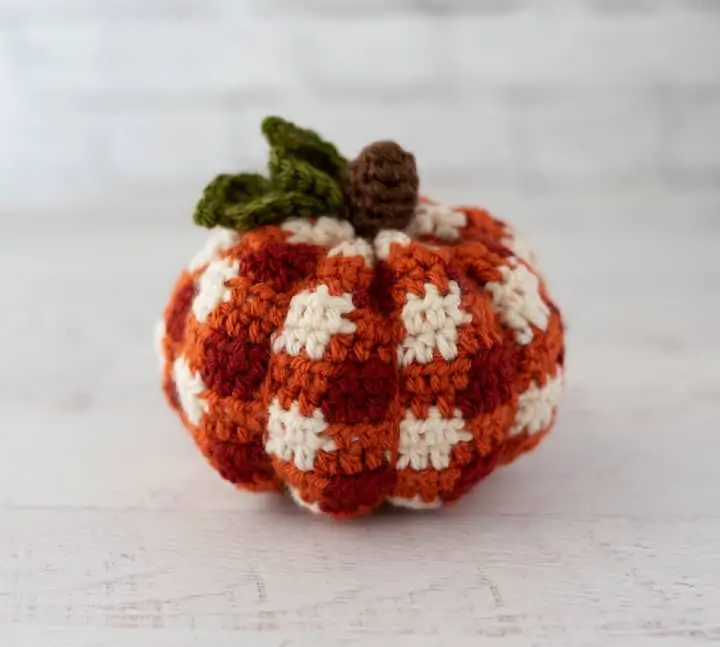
(355, 350)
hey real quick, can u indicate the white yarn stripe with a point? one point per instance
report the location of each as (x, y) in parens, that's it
(537, 405)
(158, 339)
(312, 319)
(520, 247)
(355, 247)
(189, 387)
(437, 220)
(313, 507)
(212, 289)
(416, 503)
(386, 239)
(517, 301)
(431, 323)
(428, 442)
(295, 437)
(326, 231)
(219, 240)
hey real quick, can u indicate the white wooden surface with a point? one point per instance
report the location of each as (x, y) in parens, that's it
(113, 532)
(592, 124)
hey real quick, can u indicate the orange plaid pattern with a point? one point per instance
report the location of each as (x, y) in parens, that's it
(353, 372)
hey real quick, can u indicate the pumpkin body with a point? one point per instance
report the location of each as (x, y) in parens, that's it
(401, 368)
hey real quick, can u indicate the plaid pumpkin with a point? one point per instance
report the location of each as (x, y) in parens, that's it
(401, 367)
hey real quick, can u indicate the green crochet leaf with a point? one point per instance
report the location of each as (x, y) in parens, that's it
(226, 190)
(272, 208)
(295, 175)
(306, 175)
(307, 145)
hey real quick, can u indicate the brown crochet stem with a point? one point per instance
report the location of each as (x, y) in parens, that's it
(381, 188)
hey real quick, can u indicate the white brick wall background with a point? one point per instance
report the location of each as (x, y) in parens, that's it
(108, 100)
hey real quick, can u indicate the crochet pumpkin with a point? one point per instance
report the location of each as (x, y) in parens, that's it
(343, 339)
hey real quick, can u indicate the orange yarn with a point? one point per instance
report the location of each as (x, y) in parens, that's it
(404, 369)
